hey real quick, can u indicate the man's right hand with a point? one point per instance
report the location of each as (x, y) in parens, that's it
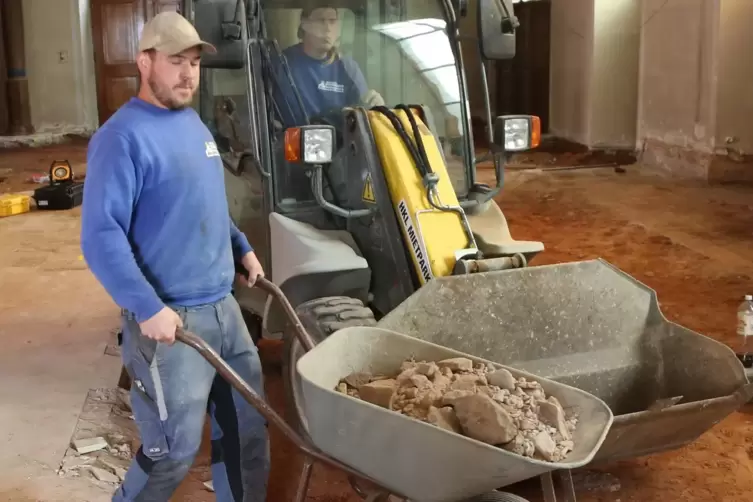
(162, 326)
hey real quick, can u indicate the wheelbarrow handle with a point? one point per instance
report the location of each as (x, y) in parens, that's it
(271, 288)
(245, 390)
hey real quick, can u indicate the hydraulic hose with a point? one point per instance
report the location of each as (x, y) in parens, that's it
(416, 150)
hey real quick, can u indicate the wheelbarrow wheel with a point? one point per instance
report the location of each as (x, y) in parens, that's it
(321, 318)
(498, 497)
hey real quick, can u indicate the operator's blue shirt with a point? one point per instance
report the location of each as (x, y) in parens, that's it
(156, 227)
(323, 85)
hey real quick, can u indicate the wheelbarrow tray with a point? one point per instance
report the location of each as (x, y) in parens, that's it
(413, 459)
(589, 325)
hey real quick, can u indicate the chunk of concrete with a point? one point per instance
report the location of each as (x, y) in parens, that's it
(483, 419)
(551, 413)
(444, 418)
(358, 379)
(450, 397)
(379, 393)
(456, 364)
(103, 475)
(502, 379)
(545, 446)
(84, 446)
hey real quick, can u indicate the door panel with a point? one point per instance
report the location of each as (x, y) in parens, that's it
(116, 26)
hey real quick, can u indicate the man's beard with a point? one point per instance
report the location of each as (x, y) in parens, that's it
(164, 96)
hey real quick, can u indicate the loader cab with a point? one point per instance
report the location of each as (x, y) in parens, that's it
(406, 51)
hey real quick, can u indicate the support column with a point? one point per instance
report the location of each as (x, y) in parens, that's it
(15, 55)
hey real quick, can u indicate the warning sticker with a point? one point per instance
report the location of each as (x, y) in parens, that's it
(368, 191)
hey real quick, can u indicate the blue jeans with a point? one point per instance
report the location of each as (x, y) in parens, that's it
(173, 388)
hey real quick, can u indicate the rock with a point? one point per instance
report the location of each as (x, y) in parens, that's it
(357, 379)
(527, 424)
(537, 394)
(502, 379)
(450, 397)
(427, 369)
(440, 381)
(420, 382)
(476, 400)
(430, 397)
(404, 377)
(444, 418)
(465, 382)
(456, 364)
(566, 447)
(551, 413)
(545, 446)
(516, 445)
(83, 446)
(103, 475)
(483, 419)
(379, 393)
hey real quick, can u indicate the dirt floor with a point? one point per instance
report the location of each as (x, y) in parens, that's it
(691, 243)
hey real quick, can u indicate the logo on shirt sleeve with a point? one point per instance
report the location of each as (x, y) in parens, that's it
(211, 149)
(331, 87)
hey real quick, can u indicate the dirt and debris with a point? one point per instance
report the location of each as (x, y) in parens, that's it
(105, 438)
(476, 400)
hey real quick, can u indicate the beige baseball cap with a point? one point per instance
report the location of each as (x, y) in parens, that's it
(171, 33)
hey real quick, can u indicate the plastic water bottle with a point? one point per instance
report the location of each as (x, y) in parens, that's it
(745, 325)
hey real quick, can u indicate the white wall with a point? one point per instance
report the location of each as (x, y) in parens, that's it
(60, 65)
(571, 64)
(614, 81)
(595, 47)
(735, 76)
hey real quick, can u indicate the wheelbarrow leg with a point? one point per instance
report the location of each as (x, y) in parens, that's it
(303, 480)
(565, 481)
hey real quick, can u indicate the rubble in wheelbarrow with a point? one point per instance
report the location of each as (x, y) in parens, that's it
(484, 403)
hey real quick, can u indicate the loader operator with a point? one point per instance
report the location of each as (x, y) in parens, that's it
(325, 80)
(157, 234)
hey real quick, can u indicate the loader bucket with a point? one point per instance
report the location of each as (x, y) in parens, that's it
(593, 327)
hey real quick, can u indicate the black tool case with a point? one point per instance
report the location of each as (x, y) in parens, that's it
(66, 195)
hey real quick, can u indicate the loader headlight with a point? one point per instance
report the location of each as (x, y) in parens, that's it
(313, 144)
(517, 133)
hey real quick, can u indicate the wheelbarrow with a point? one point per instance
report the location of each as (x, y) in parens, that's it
(592, 326)
(390, 453)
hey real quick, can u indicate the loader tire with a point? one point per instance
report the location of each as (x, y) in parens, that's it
(497, 497)
(321, 318)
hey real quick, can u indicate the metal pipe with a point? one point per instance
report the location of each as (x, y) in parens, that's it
(317, 186)
(272, 289)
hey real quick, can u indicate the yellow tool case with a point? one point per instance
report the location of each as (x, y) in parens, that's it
(14, 203)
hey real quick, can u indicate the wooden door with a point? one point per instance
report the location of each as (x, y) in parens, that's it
(116, 27)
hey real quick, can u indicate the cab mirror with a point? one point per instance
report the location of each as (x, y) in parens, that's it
(496, 26)
(220, 22)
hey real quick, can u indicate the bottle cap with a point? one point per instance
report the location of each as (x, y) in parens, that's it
(748, 298)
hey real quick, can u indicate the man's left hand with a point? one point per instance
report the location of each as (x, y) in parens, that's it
(253, 266)
(372, 98)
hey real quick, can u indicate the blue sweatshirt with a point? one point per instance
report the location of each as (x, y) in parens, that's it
(156, 227)
(323, 85)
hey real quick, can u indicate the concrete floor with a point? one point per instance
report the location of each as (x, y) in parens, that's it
(55, 322)
(689, 242)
